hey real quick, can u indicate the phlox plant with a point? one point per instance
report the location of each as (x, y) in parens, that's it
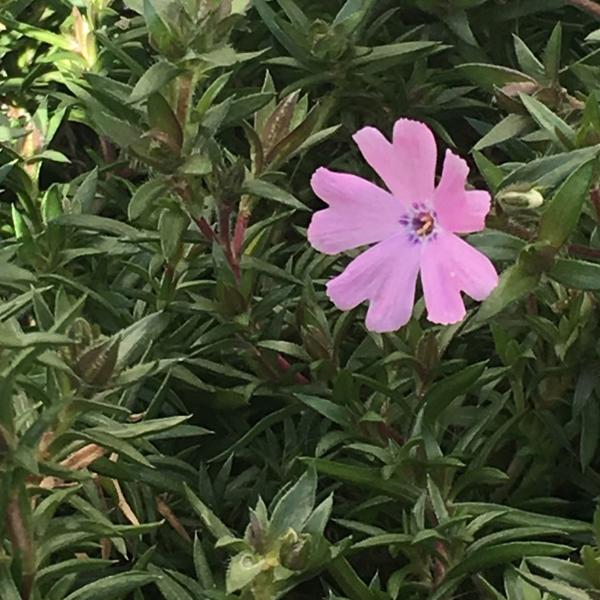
(299, 299)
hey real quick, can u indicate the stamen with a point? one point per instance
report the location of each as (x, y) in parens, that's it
(425, 222)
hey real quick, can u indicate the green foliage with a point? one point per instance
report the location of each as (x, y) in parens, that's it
(168, 356)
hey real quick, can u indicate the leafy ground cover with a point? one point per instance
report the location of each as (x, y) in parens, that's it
(184, 414)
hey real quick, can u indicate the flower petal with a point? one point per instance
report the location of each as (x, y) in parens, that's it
(359, 212)
(386, 275)
(408, 165)
(448, 266)
(459, 210)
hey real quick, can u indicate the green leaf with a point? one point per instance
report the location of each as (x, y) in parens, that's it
(590, 433)
(510, 127)
(563, 211)
(144, 197)
(135, 339)
(11, 274)
(8, 589)
(556, 588)
(86, 192)
(366, 477)
(162, 118)
(28, 340)
(209, 96)
(567, 570)
(334, 412)
(502, 554)
(121, 132)
(242, 570)
(517, 533)
(550, 171)
(295, 506)
(172, 224)
(349, 581)
(169, 588)
(5, 169)
(552, 54)
(273, 22)
(549, 121)
(73, 565)
(445, 391)
(264, 189)
(35, 33)
(285, 348)
(497, 245)
(95, 223)
(491, 76)
(492, 174)
(112, 586)
(458, 22)
(226, 56)
(161, 33)
(258, 428)
(201, 566)
(153, 80)
(515, 282)
(214, 525)
(382, 57)
(516, 517)
(262, 266)
(527, 59)
(145, 429)
(121, 447)
(243, 108)
(576, 274)
(384, 539)
(298, 19)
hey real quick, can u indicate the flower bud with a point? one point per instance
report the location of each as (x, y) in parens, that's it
(255, 533)
(295, 550)
(227, 181)
(96, 365)
(513, 197)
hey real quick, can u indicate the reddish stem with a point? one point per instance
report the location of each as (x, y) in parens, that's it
(439, 564)
(201, 223)
(22, 541)
(225, 236)
(389, 433)
(285, 366)
(239, 233)
(584, 251)
(588, 6)
(595, 198)
(205, 229)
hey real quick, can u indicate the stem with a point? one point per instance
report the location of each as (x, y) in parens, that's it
(185, 89)
(439, 565)
(285, 366)
(584, 251)
(22, 543)
(387, 432)
(205, 229)
(595, 198)
(239, 233)
(588, 6)
(202, 224)
(225, 236)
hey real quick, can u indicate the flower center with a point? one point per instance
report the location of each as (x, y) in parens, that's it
(423, 224)
(420, 223)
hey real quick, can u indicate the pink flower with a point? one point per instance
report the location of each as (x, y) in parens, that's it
(413, 227)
